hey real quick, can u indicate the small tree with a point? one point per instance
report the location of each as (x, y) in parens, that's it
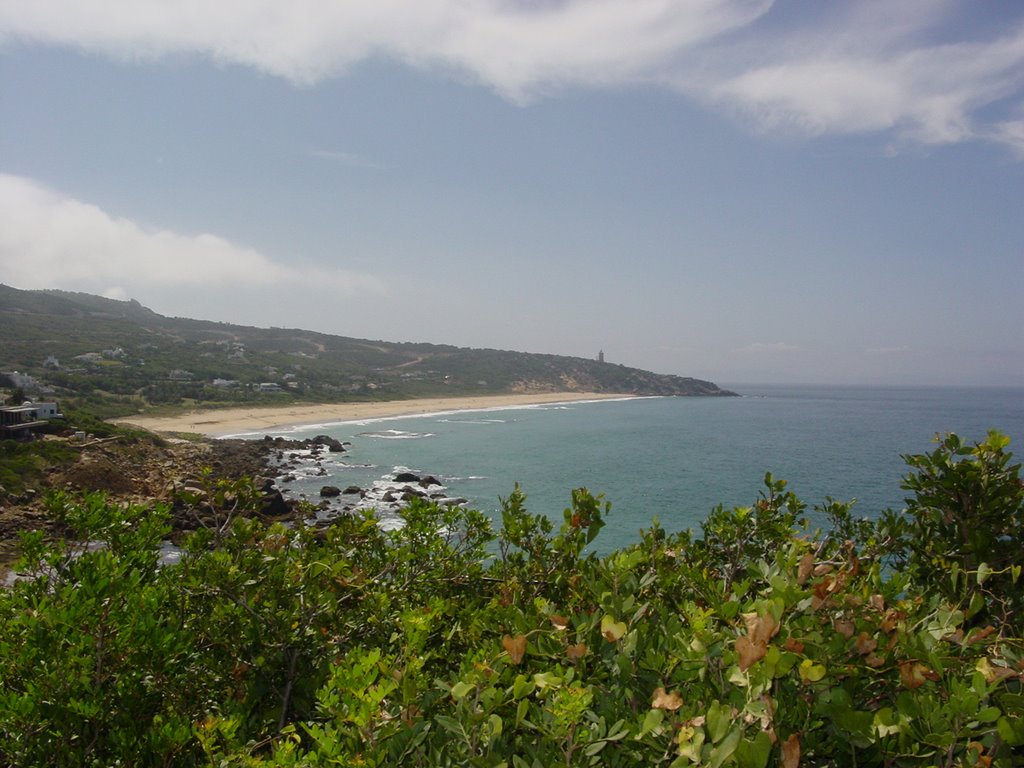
(968, 523)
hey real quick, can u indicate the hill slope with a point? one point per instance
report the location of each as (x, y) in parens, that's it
(120, 351)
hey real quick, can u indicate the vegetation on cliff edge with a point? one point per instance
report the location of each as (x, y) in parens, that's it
(755, 642)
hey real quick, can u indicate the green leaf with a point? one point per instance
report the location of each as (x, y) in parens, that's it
(522, 710)
(984, 571)
(811, 672)
(451, 725)
(725, 750)
(989, 714)
(1012, 732)
(593, 749)
(651, 722)
(719, 718)
(523, 686)
(496, 727)
(460, 689)
(754, 753)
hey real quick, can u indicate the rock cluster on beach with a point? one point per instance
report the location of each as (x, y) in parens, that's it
(385, 497)
(189, 476)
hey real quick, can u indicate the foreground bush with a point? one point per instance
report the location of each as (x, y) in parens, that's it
(442, 643)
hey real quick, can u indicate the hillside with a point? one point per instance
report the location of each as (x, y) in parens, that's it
(121, 357)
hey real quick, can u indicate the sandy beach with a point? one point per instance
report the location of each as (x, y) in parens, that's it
(232, 421)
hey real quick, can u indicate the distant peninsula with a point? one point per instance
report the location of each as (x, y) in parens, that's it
(119, 358)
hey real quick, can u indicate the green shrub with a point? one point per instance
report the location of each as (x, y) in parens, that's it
(444, 643)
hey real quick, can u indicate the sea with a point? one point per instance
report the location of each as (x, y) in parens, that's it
(670, 459)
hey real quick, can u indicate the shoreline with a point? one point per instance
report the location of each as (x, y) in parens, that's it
(234, 421)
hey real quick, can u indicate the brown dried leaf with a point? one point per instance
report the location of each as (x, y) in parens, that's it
(515, 647)
(891, 620)
(981, 634)
(794, 645)
(865, 644)
(844, 627)
(576, 652)
(668, 701)
(764, 629)
(749, 652)
(559, 622)
(913, 674)
(803, 572)
(791, 752)
(824, 587)
(877, 602)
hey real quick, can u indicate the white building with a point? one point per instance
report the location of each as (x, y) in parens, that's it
(44, 410)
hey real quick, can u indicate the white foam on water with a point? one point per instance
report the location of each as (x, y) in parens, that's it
(396, 434)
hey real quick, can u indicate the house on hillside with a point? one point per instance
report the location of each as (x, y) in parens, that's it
(20, 421)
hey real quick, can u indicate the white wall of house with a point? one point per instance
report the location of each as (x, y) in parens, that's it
(45, 410)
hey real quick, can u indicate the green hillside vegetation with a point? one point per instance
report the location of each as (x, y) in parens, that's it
(137, 359)
(753, 642)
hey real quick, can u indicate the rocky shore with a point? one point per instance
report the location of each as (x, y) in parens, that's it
(180, 473)
(199, 481)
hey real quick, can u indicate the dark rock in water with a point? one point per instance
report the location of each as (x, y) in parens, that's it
(410, 493)
(330, 490)
(333, 445)
(406, 477)
(353, 489)
(429, 480)
(389, 497)
(275, 505)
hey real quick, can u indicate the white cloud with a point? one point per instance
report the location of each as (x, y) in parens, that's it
(50, 240)
(516, 47)
(877, 69)
(1010, 133)
(902, 67)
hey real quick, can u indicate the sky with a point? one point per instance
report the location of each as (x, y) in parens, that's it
(798, 191)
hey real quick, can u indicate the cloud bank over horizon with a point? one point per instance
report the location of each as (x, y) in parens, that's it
(874, 67)
(51, 240)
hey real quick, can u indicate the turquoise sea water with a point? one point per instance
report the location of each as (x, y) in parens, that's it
(675, 458)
